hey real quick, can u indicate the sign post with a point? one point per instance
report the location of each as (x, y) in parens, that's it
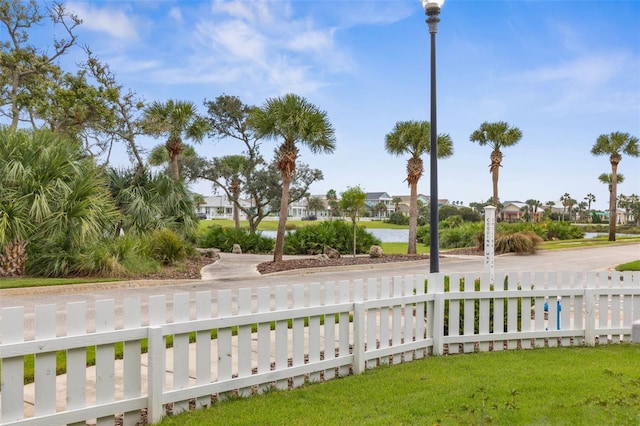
(489, 240)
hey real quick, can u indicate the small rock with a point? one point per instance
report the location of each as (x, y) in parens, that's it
(212, 253)
(236, 249)
(322, 257)
(331, 253)
(375, 251)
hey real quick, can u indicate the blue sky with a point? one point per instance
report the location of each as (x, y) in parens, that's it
(564, 72)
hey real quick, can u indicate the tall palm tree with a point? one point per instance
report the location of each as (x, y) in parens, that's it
(565, 203)
(413, 138)
(230, 169)
(590, 198)
(497, 135)
(175, 120)
(607, 179)
(614, 145)
(550, 205)
(295, 120)
(332, 200)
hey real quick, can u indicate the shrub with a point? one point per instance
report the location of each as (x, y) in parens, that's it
(167, 247)
(224, 239)
(336, 234)
(518, 242)
(462, 236)
(397, 218)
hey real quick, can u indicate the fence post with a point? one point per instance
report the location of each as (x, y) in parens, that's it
(155, 374)
(358, 338)
(590, 317)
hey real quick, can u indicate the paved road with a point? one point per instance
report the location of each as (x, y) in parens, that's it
(238, 271)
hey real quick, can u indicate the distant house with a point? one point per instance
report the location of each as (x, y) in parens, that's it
(375, 198)
(220, 207)
(403, 206)
(514, 211)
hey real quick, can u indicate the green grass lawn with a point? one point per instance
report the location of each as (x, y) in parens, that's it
(559, 386)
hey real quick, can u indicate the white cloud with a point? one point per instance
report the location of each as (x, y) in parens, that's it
(116, 23)
(176, 15)
(596, 69)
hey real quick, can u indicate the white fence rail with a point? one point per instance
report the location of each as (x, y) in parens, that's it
(248, 341)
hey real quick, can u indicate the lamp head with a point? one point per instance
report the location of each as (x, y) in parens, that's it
(432, 4)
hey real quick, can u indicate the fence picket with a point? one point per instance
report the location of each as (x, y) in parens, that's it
(45, 363)
(314, 331)
(485, 285)
(344, 326)
(132, 359)
(225, 349)
(420, 332)
(105, 359)
(244, 339)
(264, 337)
(396, 318)
(203, 346)
(329, 329)
(372, 316)
(180, 350)
(282, 341)
(76, 358)
(297, 332)
(469, 312)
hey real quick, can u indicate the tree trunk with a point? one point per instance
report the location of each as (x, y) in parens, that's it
(175, 170)
(282, 222)
(13, 259)
(413, 218)
(354, 237)
(612, 201)
(496, 161)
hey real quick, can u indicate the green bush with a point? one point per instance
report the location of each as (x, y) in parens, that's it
(462, 236)
(167, 247)
(336, 234)
(224, 239)
(397, 218)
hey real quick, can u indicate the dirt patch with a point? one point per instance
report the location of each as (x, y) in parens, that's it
(286, 265)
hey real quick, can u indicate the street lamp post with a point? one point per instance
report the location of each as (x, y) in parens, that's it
(432, 10)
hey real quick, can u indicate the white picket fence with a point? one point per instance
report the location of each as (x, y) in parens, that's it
(285, 336)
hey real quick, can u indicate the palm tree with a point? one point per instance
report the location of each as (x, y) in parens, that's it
(496, 135)
(293, 119)
(550, 205)
(607, 179)
(590, 198)
(54, 203)
(396, 202)
(314, 204)
(582, 206)
(352, 202)
(230, 168)
(175, 120)
(614, 145)
(413, 138)
(332, 200)
(565, 203)
(379, 209)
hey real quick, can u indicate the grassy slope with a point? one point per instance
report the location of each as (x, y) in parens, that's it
(543, 386)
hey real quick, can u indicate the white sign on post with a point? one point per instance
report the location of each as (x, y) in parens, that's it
(489, 240)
